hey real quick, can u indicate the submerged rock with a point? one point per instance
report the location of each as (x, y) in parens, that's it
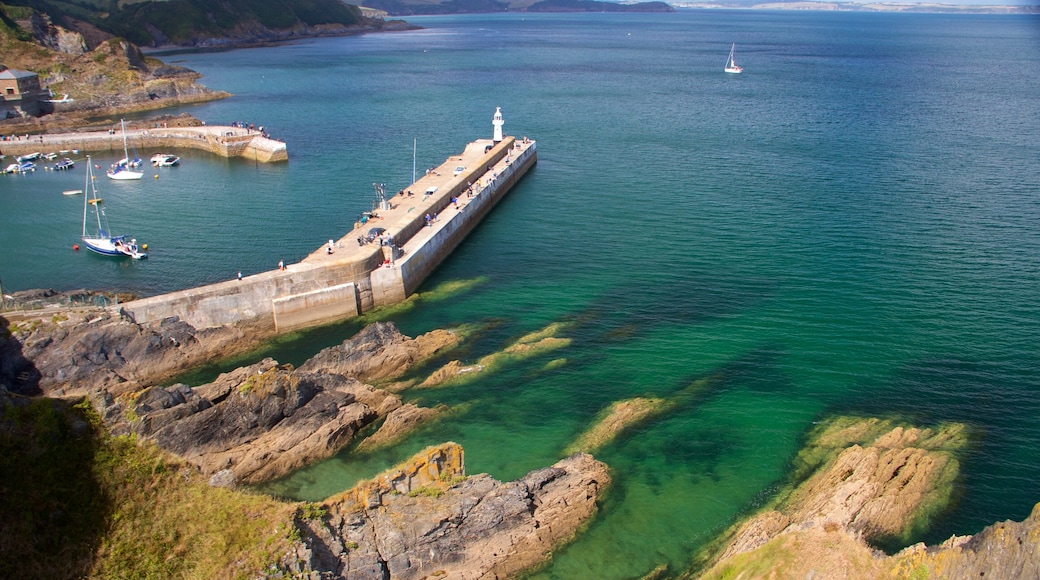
(862, 481)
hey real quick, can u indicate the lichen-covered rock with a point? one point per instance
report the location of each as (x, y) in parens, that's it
(866, 480)
(1003, 550)
(473, 528)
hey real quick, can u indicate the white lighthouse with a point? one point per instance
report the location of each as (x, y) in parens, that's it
(498, 122)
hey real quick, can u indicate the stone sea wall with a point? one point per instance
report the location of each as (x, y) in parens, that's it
(218, 140)
(360, 277)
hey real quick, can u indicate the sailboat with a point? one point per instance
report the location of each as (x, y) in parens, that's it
(99, 238)
(122, 169)
(731, 65)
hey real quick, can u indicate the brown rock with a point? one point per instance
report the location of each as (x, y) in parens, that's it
(380, 352)
(476, 528)
(398, 424)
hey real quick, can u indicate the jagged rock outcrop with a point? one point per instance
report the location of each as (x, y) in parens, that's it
(1003, 550)
(426, 521)
(74, 353)
(874, 491)
(380, 352)
(871, 480)
(271, 424)
(55, 37)
(399, 423)
(264, 420)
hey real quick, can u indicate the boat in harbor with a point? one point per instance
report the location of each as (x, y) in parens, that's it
(72, 192)
(124, 168)
(731, 65)
(165, 160)
(64, 164)
(97, 236)
(27, 157)
(20, 167)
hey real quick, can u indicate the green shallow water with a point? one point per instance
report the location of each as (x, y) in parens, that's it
(850, 226)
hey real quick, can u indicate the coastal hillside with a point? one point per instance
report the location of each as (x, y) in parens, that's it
(413, 7)
(98, 78)
(192, 23)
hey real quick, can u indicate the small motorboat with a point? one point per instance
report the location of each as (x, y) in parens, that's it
(27, 157)
(165, 160)
(64, 164)
(12, 168)
(72, 192)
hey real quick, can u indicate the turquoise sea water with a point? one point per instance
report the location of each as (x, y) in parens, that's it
(850, 226)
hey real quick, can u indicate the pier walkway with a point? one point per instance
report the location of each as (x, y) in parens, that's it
(222, 140)
(345, 277)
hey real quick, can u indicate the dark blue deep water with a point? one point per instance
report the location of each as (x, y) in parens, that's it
(850, 226)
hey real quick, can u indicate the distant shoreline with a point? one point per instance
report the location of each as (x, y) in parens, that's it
(867, 7)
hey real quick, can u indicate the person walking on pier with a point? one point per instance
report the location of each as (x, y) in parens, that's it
(281, 264)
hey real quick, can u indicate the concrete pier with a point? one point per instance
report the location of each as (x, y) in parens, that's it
(221, 140)
(356, 277)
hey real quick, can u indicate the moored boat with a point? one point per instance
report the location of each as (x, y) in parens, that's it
(165, 160)
(98, 237)
(123, 169)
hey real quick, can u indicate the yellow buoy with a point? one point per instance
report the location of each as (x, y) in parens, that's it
(144, 246)
(157, 176)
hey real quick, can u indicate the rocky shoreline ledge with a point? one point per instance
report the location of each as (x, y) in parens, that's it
(859, 482)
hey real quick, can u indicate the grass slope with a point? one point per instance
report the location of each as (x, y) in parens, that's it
(77, 502)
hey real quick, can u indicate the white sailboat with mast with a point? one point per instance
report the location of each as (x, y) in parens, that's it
(731, 65)
(123, 169)
(97, 236)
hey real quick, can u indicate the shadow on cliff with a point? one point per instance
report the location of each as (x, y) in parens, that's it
(17, 373)
(54, 510)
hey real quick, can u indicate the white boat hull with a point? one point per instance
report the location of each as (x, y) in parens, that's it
(124, 174)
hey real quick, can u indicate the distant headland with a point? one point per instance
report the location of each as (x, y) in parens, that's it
(866, 7)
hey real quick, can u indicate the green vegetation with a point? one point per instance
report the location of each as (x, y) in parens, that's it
(81, 503)
(312, 511)
(180, 21)
(426, 491)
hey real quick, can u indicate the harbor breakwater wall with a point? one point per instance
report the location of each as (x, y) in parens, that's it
(221, 140)
(350, 276)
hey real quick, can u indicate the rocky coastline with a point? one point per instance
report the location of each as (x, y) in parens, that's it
(859, 483)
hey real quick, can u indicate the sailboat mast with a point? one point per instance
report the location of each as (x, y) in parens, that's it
(86, 196)
(126, 154)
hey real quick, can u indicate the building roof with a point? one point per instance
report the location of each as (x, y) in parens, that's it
(16, 74)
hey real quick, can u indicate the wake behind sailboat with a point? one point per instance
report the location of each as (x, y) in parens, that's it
(96, 234)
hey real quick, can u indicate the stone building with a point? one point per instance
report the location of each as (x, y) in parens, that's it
(22, 94)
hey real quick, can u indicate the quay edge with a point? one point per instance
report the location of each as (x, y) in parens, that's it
(357, 277)
(221, 140)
